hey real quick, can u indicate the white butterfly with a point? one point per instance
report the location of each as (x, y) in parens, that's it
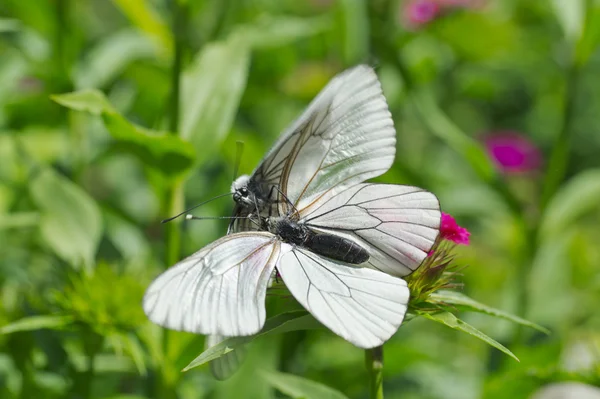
(336, 243)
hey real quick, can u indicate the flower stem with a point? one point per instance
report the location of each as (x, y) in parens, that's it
(557, 165)
(174, 194)
(374, 364)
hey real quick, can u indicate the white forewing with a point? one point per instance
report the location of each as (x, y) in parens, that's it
(345, 136)
(398, 225)
(218, 290)
(361, 305)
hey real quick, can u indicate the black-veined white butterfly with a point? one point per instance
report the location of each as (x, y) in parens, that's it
(336, 243)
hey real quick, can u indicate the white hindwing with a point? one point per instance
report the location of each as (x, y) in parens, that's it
(345, 136)
(361, 305)
(218, 290)
(398, 225)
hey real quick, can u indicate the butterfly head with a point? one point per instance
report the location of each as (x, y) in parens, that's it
(240, 191)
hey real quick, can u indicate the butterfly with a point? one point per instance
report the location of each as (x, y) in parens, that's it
(337, 243)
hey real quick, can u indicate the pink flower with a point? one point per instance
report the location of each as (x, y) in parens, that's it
(461, 3)
(450, 230)
(420, 12)
(512, 152)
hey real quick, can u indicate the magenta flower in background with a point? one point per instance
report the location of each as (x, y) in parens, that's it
(420, 12)
(512, 152)
(417, 13)
(450, 230)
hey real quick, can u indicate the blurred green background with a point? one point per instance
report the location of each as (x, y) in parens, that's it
(84, 186)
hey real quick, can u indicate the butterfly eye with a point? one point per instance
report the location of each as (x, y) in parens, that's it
(244, 192)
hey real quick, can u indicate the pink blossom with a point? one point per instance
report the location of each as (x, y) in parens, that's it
(450, 230)
(512, 152)
(420, 12)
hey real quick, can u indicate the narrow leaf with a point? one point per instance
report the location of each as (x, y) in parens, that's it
(111, 56)
(446, 130)
(88, 100)
(32, 323)
(570, 15)
(588, 43)
(355, 30)
(211, 91)
(147, 19)
(575, 198)
(225, 366)
(70, 220)
(284, 322)
(163, 151)
(270, 32)
(452, 321)
(463, 302)
(298, 387)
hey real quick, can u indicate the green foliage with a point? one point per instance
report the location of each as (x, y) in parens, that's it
(448, 319)
(70, 221)
(97, 145)
(298, 387)
(166, 153)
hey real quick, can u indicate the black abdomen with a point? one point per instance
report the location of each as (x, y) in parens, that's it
(335, 247)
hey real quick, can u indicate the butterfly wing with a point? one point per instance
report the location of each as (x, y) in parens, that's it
(361, 305)
(218, 290)
(398, 225)
(345, 136)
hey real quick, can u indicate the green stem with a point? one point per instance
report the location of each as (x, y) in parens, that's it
(374, 364)
(557, 165)
(174, 202)
(556, 171)
(174, 195)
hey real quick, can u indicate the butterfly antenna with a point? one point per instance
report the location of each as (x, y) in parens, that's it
(192, 217)
(239, 149)
(194, 207)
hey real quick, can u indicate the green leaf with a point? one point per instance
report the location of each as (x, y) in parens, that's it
(33, 323)
(570, 15)
(111, 56)
(575, 198)
(134, 349)
(298, 387)
(463, 302)
(18, 220)
(165, 152)
(211, 91)
(225, 366)
(87, 100)
(70, 220)
(147, 19)
(270, 31)
(355, 30)
(282, 323)
(588, 43)
(446, 130)
(452, 321)
(9, 25)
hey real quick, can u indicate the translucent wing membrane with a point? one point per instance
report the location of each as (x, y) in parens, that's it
(344, 137)
(361, 305)
(398, 225)
(218, 290)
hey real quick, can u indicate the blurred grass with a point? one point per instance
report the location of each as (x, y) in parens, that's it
(81, 195)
